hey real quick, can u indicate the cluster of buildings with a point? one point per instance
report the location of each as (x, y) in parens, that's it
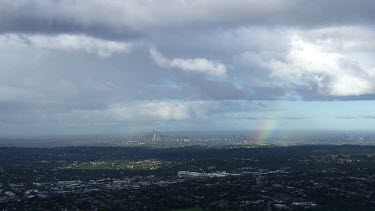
(235, 179)
(14, 192)
(193, 174)
(42, 190)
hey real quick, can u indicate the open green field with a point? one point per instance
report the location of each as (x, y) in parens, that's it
(118, 165)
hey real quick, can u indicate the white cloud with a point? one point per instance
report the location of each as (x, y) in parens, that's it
(67, 42)
(201, 65)
(163, 110)
(167, 110)
(332, 71)
(343, 38)
(147, 111)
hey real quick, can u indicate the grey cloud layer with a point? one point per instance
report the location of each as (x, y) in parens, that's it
(76, 61)
(131, 18)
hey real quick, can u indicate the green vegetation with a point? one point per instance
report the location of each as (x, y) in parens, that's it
(118, 165)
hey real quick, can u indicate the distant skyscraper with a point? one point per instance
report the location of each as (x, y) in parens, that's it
(156, 136)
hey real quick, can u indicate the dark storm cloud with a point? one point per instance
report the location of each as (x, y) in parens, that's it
(126, 19)
(54, 17)
(45, 26)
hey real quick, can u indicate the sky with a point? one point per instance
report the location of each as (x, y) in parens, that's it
(91, 66)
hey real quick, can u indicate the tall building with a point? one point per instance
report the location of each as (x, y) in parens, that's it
(156, 136)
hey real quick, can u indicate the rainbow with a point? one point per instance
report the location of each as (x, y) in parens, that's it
(268, 124)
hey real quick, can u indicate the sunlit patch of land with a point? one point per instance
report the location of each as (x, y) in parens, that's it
(148, 164)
